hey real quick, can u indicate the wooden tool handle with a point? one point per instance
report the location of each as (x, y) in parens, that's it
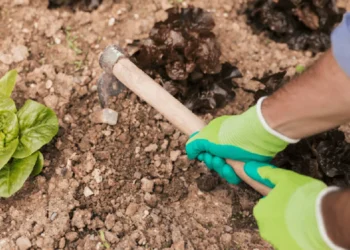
(173, 110)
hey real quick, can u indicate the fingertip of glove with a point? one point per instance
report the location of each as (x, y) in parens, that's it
(229, 175)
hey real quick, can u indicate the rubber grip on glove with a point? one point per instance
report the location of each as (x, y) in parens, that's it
(239, 169)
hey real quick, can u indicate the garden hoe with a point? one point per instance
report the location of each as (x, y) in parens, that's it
(119, 72)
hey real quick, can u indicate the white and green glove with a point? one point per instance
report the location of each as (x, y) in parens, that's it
(290, 217)
(246, 137)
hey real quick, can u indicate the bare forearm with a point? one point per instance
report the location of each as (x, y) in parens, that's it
(314, 102)
(336, 216)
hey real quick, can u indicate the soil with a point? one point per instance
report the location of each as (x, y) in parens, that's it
(128, 186)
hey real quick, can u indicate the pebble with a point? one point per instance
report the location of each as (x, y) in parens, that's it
(174, 155)
(147, 185)
(48, 84)
(137, 175)
(38, 229)
(88, 192)
(53, 216)
(51, 101)
(72, 236)
(151, 148)
(131, 209)
(97, 175)
(23, 243)
(111, 21)
(57, 40)
(19, 53)
(21, 2)
(107, 116)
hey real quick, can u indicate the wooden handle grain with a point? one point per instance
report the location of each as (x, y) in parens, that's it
(173, 110)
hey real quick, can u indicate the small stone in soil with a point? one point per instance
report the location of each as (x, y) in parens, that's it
(107, 116)
(137, 175)
(147, 185)
(88, 192)
(174, 155)
(23, 243)
(151, 148)
(53, 216)
(132, 209)
(71, 236)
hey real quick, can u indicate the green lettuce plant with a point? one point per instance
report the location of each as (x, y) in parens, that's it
(22, 134)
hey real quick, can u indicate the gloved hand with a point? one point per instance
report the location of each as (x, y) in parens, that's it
(245, 137)
(287, 215)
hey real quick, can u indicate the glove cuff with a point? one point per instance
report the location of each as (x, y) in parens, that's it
(267, 127)
(320, 221)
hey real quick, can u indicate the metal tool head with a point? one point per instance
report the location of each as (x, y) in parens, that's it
(108, 85)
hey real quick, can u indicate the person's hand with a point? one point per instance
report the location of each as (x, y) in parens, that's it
(287, 215)
(242, 138)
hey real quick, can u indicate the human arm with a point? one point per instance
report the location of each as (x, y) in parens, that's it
(335, 210)
(314, 102)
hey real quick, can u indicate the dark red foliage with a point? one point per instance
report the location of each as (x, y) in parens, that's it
(303, 25)
(183, 55)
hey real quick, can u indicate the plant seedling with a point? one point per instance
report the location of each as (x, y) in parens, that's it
(22, 134)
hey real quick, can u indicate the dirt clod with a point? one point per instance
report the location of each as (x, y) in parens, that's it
(81, 218)
(71, 236)
(23, 243)
(111, 237)
(131, 209)
(151, 200)
(110, 220)
(147, 185)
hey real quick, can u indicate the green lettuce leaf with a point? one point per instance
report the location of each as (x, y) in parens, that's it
(15, 173)
(37, 125)
(38, 165)
(7, 104)
(9, 130)
(7, 152)
(7, 83)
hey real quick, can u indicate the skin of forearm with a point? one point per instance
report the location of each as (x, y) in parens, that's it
(316, 101)
(336, 215)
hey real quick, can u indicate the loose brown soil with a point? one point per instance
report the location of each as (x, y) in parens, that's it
(131, 183)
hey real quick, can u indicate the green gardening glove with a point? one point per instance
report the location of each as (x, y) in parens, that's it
(287, 215)
(245, 137)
